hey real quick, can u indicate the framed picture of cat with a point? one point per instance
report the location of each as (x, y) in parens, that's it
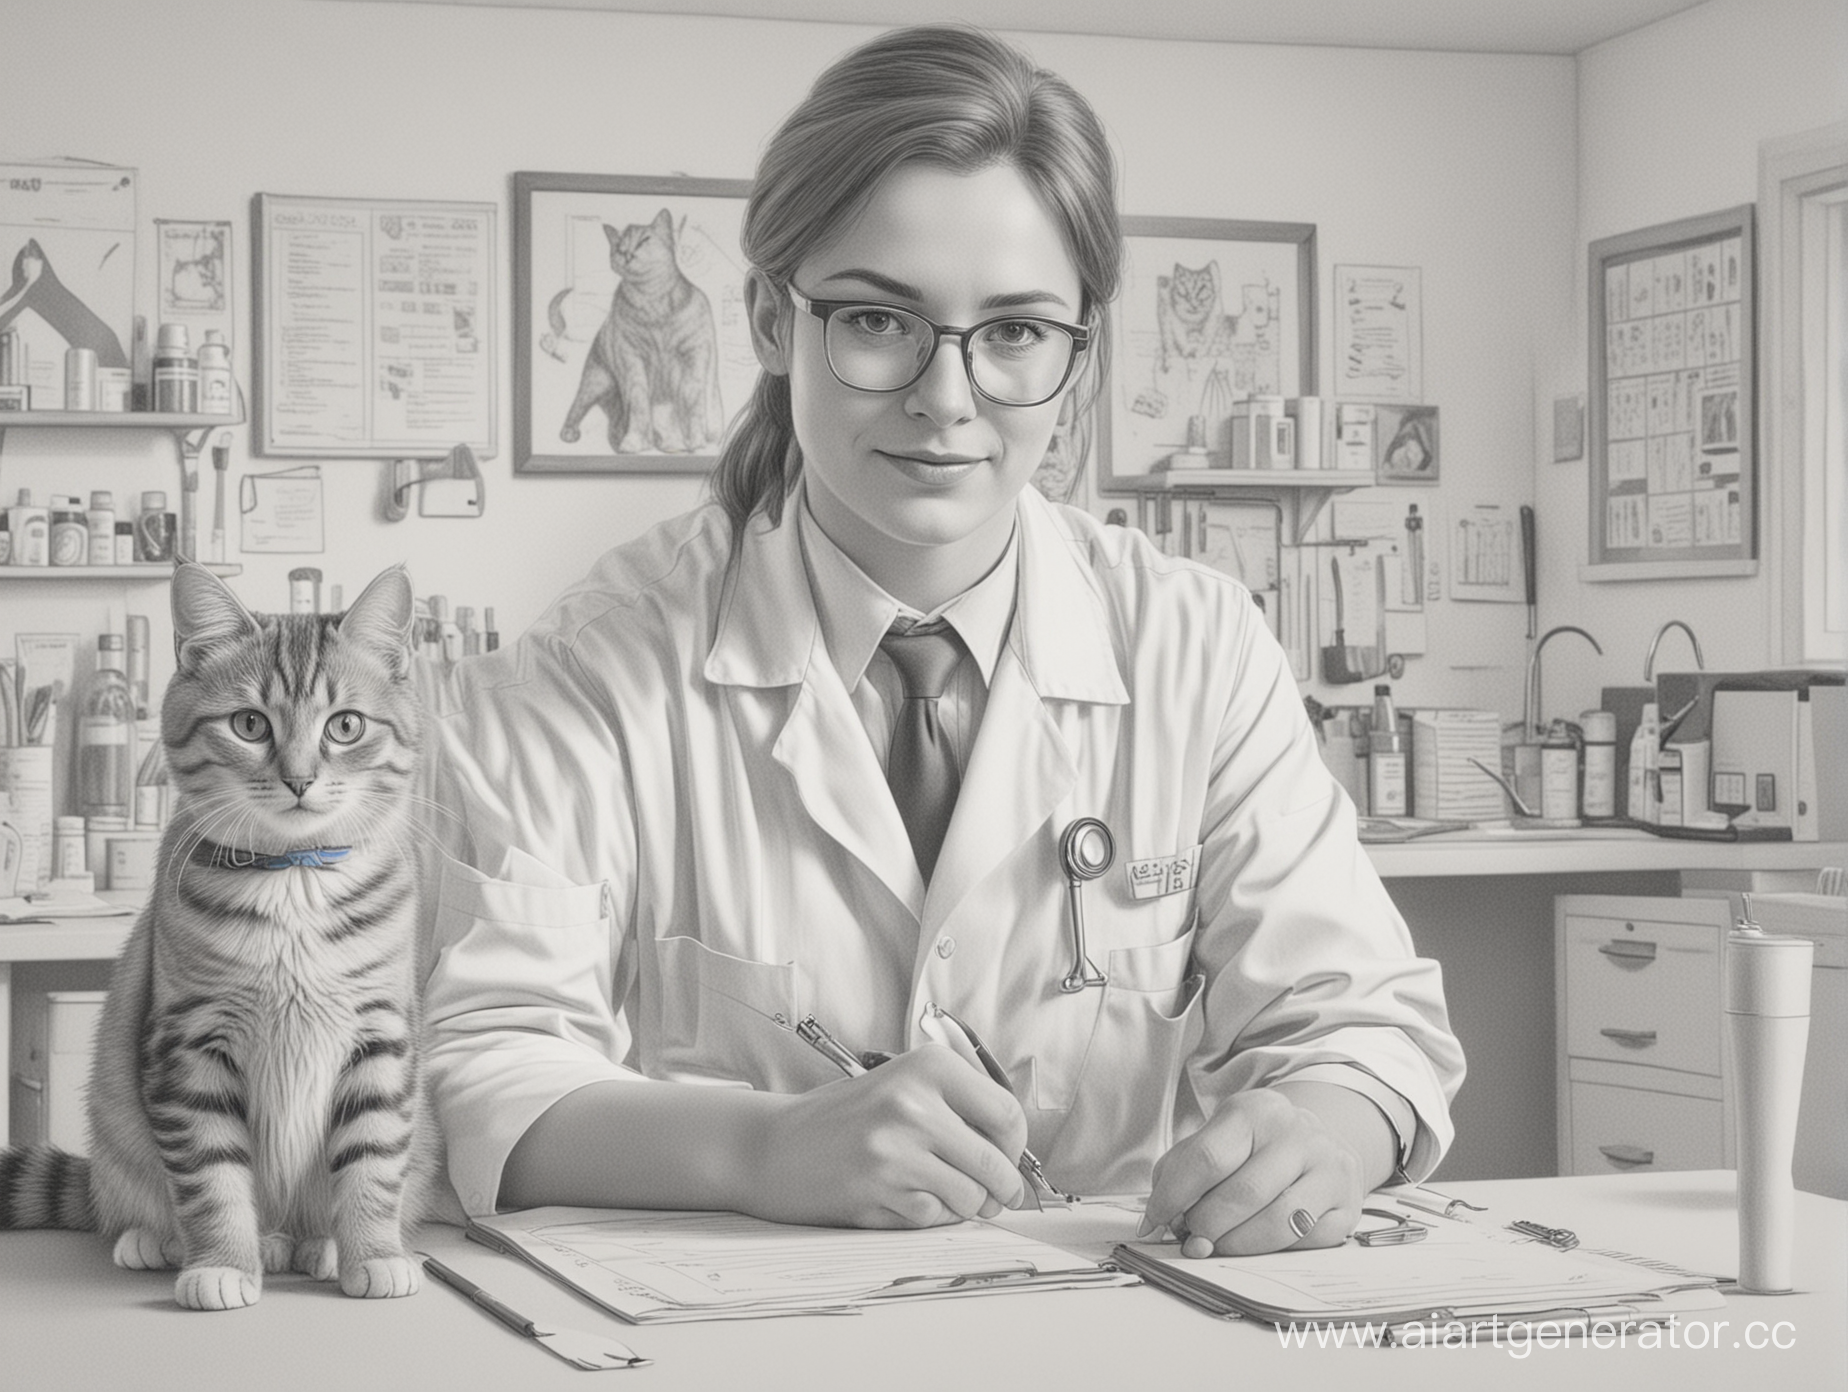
(630, 347)
(1211, 311)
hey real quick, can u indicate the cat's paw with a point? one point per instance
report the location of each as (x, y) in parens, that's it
(317, 1258)
(277, 1249)
(216, 1288)
(569, 434)
(140, 1249)
(380, 1278)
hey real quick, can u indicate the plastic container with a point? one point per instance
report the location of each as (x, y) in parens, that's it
(1559, 774)
(1599, 795)
(1386, 784)
(124, 541)
(31, 529)
(105, 736)
(176, 372)
(69, 531)
(99, 529)
(155, 529)
(216, 395)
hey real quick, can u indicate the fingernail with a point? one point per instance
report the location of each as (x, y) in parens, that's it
(991, 1209)
(1196, 1247)
(1148, 1227)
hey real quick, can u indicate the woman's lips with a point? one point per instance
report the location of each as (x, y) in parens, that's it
(936, 470)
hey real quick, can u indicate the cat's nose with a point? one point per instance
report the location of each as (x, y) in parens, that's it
(298, 786)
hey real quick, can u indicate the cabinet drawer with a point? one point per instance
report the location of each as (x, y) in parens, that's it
(1616, 1130)
(1643, 991)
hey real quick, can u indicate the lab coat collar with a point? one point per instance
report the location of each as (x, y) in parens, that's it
(769, 631)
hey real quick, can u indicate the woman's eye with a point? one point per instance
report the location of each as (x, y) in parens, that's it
(876, 322)
(1016, 333)
(345, 727)
(250, 725)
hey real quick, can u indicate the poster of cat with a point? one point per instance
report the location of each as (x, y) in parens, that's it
(67, 266)
(1210, 312)
(631, 348)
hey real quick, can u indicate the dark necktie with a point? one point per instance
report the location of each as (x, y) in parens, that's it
(922, 767)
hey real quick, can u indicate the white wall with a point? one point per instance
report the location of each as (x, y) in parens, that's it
(1461, 164)
(1670, 120)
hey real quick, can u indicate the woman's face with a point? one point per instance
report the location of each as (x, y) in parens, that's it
(918, 485)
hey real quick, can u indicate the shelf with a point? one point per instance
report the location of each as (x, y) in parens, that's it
(1300, 492)
(128, 574)
(113, 420)
(1613, 850)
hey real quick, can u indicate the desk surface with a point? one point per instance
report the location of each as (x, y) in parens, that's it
(70, 1320)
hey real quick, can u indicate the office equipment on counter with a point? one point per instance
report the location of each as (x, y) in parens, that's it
(1767, 1034)
(1447, 746)
(1466, 1269)
(650, 1266)
(589, 1352)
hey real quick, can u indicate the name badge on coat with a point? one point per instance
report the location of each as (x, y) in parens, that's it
(1159, 875)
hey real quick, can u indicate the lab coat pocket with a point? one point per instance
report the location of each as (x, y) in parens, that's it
(522, 956)
(727, 1018)
(1122, 1110)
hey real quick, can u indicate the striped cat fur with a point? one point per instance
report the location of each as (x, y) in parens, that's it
(257, 1101)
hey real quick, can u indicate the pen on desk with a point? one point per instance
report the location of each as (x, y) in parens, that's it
(589, 1352)
(814, 1034)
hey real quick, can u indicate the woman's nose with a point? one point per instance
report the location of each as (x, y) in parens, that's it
(944, 394)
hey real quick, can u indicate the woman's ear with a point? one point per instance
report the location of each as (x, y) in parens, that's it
(764, 307)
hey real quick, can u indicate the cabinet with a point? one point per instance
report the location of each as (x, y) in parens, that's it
(1640, 1066)
(1642, 1062)
(189, 433)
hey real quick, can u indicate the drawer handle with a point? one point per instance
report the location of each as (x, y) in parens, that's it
(1627, 1155)
(1638, 1038)
(1633, 949)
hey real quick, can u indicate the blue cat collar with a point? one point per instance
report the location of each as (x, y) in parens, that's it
(309, 858)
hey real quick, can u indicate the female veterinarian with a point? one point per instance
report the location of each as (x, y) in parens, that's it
(882, 738)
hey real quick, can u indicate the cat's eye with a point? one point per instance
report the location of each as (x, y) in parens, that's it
(345, 727)
(250, 725)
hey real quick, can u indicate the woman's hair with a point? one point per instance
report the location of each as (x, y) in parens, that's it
(946, 95)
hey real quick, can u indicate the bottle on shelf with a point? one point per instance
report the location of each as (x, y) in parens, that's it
(215, 391)
(105, 735)
(100, 525)
(1385, 758)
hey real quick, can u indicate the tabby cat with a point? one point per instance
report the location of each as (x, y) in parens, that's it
(654, 365)
(1188, 313)
(256, 1102)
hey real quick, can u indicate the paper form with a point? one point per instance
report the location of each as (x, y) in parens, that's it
(648, 1266)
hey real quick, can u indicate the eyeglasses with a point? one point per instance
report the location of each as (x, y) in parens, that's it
(1013, 360)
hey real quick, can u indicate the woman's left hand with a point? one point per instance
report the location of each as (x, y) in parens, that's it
(1305, 1151)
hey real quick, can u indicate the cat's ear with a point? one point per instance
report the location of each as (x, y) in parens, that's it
(382, 618)
(611, 234)
(664, 223)
(206, 615)
(764, 309)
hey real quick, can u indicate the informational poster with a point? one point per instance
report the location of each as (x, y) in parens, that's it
(375, 327)
(1379, 347)
(1672, 477)
(194, 280)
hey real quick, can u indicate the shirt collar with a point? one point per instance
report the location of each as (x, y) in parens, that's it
(855, 613)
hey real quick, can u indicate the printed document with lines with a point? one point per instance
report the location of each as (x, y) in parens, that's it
(652, 1266)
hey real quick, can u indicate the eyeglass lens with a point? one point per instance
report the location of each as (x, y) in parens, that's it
(877, 348)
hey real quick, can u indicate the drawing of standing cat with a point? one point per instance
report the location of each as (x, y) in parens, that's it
(1188, 315)
(654, 365)
(36, 287)
(256, 1100)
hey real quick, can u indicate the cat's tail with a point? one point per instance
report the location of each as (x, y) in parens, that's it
(44, 1187)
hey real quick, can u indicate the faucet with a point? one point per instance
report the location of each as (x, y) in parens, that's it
(1656, 642)
(1533, 709)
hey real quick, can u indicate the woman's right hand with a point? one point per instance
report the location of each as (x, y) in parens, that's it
(920, 1141)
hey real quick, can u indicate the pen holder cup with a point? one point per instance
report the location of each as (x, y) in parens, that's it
(25, 778)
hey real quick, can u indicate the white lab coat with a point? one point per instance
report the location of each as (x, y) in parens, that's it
(673, 839)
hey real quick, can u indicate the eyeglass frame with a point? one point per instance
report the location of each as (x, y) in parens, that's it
(824, 310)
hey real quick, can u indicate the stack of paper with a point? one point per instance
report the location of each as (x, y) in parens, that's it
(1459, 1271)
(650, 1267)
(1446, 783)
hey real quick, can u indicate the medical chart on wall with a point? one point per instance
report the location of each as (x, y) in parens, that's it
(1379, 348)
(1672, 400)
(376, 334)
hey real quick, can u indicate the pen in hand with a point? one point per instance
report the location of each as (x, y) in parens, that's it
(814, 1034)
